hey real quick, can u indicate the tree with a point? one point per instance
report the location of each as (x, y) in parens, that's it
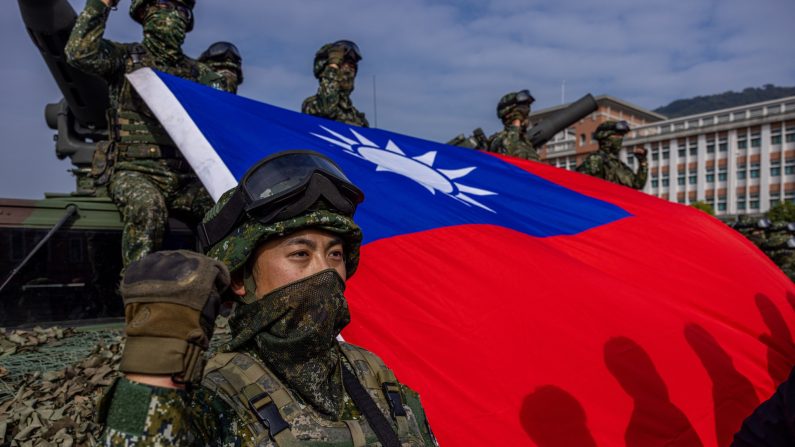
(783, 212)
(703, 206)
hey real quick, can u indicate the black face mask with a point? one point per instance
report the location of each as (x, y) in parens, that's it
(293, 329)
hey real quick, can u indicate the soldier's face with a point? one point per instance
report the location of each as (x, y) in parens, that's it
(293, 257)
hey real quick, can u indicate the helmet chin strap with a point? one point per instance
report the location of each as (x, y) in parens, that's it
(249, 284)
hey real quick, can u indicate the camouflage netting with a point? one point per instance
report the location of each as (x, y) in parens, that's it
(51, 381)
(53, 405)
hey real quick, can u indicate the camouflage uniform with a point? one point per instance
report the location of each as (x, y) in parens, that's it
(147, 174)
(333, 98)
(605, 164)
(224, 58)
(247, 395)
(513, 140)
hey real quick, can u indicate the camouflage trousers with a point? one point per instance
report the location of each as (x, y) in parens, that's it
(145, 195)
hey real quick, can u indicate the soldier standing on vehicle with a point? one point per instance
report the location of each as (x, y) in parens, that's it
(224, 58)
(605, 164)
(335, 67)
(513, 110)
(147, 176)
(287, 236)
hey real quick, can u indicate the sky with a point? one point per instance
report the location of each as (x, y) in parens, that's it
(436, 68)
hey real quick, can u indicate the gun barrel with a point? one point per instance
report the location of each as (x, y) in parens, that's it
(558, 121)
(49, 23)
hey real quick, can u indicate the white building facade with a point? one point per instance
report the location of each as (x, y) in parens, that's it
(740, 160)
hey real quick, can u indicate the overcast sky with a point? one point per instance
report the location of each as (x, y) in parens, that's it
(439, 66)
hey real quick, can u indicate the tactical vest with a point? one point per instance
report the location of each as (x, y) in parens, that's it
(134, 129)
(275, 417)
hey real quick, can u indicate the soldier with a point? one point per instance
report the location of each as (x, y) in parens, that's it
(286, 234)
(335, 67)
(146, 174)
(605, 164)
(224, 58)
(513, 109)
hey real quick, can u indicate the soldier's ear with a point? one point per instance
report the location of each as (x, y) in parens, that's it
(236, 283)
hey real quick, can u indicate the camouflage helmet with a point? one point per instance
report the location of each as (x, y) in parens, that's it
(510, 101)
(236, 248)
(283, 193)
(138, 9)
(321, 56)
(610, 128)
(224, 54)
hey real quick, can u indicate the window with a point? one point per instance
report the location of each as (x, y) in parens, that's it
(723, 146)
(775, 162)
(655, 155)
(754, 170)
(680, 180)
(775, 171)
(756, 140)
(789, 169)
(692, 179)
(754, 204)
(681, 153)
(775, 139)
(790, 137)
(741, 175)
(711, 147)
(721, 176)
(693, 150)
(710, 178)
(582, 139)
(666, 155)
(665, 182)
(741, 205)
(655, 183)
(721, 206)
(774, 202)
(742, 144)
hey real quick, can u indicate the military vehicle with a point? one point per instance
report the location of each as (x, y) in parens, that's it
(60, 256)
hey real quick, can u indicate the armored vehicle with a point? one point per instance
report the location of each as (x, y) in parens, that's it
(60, 256)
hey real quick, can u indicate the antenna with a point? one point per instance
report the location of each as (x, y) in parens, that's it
(375, 105)
(563, 92)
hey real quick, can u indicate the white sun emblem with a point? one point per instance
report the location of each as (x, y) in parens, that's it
(419, 169)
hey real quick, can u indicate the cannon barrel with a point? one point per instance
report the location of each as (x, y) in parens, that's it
(558, 121)
(49, 23)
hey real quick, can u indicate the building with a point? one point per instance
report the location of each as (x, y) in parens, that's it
(740, 160)
(568, 148)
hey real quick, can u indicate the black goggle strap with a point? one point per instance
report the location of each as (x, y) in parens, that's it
(217, 228)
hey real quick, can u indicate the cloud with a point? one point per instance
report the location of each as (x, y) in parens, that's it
(440, 66)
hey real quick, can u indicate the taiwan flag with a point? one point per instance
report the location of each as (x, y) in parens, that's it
(528, 305)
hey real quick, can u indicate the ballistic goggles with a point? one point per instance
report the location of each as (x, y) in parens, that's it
(622, 127)
(222, 51)
(280, 187)
(351, 49)
(523, 97)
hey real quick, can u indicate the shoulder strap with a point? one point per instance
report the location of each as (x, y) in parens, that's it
(383, 430)
(381, 380)
(242, 385)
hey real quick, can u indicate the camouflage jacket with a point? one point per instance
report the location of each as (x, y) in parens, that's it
(330, 103)
(221, 411)
(607, 166)
(130, 121)
(513, 141)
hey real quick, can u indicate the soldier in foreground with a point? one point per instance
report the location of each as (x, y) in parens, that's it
(605, 164)
(335, 68)
(224, 58)
(513, 110)
(286, 234)
(147, 176)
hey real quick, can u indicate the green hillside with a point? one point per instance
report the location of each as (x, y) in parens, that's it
(702, 104)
